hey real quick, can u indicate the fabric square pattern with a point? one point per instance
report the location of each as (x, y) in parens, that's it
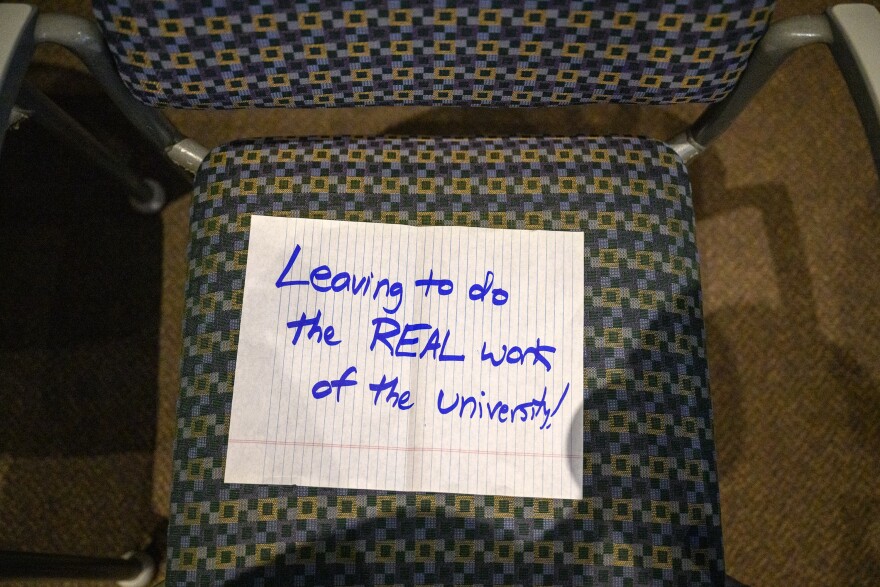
(221, 54)
(650, 513)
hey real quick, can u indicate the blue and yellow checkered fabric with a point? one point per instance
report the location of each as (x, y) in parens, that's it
(221, 54)
(650, 513)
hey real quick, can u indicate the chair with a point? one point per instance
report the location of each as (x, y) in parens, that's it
(651, 510)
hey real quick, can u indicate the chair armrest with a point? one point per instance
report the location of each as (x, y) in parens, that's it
(16, 47)
(856, 47)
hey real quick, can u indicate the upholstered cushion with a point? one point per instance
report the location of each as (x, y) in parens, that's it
(223, 54)
(650, 508)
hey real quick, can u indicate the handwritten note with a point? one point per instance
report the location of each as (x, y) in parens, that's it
(390, 357)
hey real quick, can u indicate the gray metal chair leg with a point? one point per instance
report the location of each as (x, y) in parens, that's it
(84, 39)
(781, 40)
(850, 30)
(21, 28)
(132, 570)
(145, 195)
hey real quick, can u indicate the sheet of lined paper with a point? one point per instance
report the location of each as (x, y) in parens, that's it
(433, 359)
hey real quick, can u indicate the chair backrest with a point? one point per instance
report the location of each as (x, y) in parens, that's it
(224, 54)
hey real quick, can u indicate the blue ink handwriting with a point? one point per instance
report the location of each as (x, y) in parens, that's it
(501, 411)
(516, 355)
(385, 330)
(479, 291)
(343, 281)
(323, 388)
(444, 286)
(397, 400)
(324, 335)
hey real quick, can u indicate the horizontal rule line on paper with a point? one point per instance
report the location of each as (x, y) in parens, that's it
(499, 453)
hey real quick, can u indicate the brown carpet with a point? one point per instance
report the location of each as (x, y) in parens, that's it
(788, 208)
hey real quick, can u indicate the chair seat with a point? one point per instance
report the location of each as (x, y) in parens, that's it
(650, 510)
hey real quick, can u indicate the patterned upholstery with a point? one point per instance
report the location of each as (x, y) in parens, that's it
(221, 54)
(650, 514)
